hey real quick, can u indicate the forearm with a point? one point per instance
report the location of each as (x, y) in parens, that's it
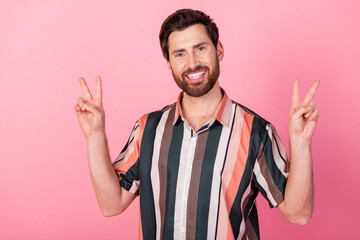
(299, 192)
(104, 179)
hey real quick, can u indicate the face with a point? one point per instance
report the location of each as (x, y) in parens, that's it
(194, 60)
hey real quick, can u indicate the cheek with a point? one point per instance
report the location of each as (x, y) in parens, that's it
(178, 69)
(208, 60)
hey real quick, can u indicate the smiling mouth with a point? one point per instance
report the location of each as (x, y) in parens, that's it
(196, 75)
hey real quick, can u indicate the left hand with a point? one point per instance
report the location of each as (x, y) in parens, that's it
(303, 116)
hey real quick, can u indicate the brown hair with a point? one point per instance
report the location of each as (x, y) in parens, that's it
(182, 19)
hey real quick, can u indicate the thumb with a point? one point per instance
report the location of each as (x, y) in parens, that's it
(298, 113)
(91, 108)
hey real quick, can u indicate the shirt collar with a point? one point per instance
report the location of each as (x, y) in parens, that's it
(222, 114)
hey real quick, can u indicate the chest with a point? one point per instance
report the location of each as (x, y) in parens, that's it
(198, 122)
(187, 177)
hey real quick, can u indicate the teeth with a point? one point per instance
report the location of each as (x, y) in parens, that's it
(195, 75)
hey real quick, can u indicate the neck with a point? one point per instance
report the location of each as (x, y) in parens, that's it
(198, 110)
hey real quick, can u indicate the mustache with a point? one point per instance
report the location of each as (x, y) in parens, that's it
(196, 69)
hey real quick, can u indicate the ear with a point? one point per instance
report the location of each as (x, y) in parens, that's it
(220, 51)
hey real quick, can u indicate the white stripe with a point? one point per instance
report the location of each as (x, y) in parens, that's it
(155, 179)
(215, 188)
(135, 186)
(183, 179)
(242, 224)
(261, 180)
(231, 158)
(234, 144)
(277, 157)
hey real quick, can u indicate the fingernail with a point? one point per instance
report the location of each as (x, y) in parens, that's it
(85, 105)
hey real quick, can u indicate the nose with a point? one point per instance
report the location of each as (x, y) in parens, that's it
(193, 61)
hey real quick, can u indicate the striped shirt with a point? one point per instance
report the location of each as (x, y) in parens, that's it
(202, 185)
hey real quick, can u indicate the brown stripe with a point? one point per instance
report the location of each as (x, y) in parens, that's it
(250, 231)
(194, 185)
(163, 158)
(246, 200)
(281, 148)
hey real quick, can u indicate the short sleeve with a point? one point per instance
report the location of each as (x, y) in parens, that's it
(126, 164)
(271, 168)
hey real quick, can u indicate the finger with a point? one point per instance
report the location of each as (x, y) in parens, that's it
(296, 92)
(301, 111)
(81, 102)
(85, 89)
(98, 89)
(311, 92)
(312, 104)
(91, 108)
(310, 128)
(77, 109)
(315, 115)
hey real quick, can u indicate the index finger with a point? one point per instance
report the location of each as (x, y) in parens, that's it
(311, 92)
(85, 89)
(98, 89)
(296, 92)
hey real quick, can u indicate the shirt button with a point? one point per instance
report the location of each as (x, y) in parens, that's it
(189, 166)
(182, 230)
(185, 198)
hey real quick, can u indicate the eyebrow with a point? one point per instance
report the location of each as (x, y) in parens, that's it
(195, 46)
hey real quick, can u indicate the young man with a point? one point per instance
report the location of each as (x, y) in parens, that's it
(198, 164)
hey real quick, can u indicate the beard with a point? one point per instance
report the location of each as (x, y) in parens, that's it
(198, 89)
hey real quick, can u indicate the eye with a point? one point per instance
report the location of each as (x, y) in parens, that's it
(179, 54)
(202, 48)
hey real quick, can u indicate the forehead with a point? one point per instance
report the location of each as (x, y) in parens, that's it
(188, 37)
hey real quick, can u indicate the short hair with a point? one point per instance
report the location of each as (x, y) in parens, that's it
(182, 19)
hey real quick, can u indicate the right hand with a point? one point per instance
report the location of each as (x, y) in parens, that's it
(90, 111)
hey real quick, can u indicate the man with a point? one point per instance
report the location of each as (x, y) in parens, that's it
(198, 164)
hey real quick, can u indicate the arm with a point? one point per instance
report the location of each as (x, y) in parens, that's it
(111, 197)
(298, 201)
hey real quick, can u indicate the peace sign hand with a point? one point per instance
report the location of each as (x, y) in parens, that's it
(303, 116)
(90, 112)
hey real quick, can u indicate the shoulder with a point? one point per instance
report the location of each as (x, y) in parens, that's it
(155, 115)
(254, 121)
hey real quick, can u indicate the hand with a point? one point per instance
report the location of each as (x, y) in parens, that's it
(89, 111)
(303, 116)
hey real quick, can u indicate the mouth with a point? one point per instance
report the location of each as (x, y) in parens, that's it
(196, 76)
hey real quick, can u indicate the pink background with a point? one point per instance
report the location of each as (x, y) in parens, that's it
(45, 46)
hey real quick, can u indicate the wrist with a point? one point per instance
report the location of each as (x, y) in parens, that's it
(299, 139)
(96, 136)
(300, 146)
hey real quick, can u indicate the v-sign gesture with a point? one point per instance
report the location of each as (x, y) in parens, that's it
(303, 116)
(298, 202)
(89, 110)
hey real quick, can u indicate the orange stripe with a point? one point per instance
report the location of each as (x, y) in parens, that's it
(136, 152)
(239, 167)
(142, 124)
(221, 107)
(230, 234)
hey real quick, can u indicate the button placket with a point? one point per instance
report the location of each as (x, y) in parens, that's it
(187, 177)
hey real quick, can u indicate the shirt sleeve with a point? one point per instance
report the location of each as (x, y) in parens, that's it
(126, 164)
(271, 167)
